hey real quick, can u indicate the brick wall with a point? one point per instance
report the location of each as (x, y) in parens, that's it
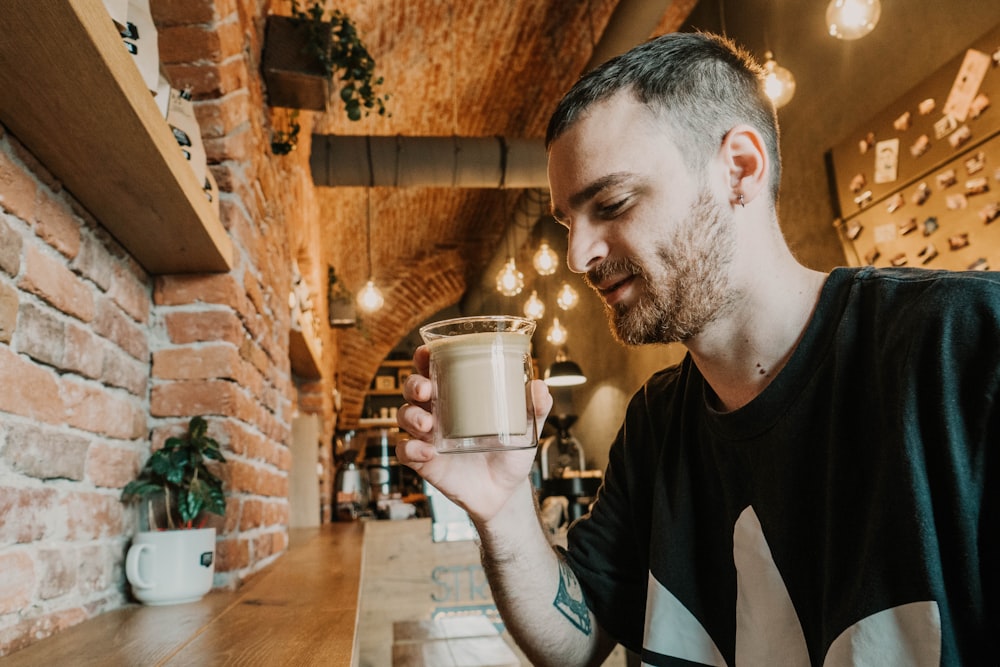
(100, 362)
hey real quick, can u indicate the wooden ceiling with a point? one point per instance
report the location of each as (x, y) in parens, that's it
(470, 68)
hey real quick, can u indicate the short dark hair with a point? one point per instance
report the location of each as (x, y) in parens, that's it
(703, 83)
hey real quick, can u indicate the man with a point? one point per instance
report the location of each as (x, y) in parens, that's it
(809, 486)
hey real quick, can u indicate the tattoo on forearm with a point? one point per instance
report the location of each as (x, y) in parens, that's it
(569, 600)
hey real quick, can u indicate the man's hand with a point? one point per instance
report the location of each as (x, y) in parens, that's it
(479, 482)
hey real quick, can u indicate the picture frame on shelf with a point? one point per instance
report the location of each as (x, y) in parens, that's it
(401, 376)
(385, 382)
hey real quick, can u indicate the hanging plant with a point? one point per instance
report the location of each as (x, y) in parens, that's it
(309, 44)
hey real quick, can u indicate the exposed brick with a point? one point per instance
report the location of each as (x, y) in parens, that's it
(34, 628)
(56, 225)
(18, 189)
(177, 399)
(123, 370)
(220, 288)
(238, 145)
(252, 514)
(17, 581)
(96, 409)
(133, 296)
(181, 12)
(92, 260)
(190, 43)
(219, 117)
(112, 323)
(54, 282)
(209, 80)
(205, 362)
(110, 466)
(83, 352)
(8, 312)
(10, 248)
(26, 513)
(28, 390)
(41, 334)
(45, 453)
(92, 515)
(232, 554)
(98, 565)
(208, 325)
(57, 572)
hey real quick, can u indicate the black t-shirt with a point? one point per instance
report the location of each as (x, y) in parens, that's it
(845, 516)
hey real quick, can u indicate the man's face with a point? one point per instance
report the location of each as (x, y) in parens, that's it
(652, 237)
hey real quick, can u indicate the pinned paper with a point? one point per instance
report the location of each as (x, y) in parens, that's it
(886, 160)
(966, 85)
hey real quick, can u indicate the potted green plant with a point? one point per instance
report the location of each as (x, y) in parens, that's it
(174, 560)
(308, 55)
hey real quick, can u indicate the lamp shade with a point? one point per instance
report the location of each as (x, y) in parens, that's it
(564, 373)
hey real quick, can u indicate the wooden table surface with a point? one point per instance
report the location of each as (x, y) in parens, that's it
(300, 610)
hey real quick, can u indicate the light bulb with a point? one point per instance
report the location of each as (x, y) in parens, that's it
(533, 307)
(510, 281)
(852, 19)
(557, 334)
(545, 260)
(370, 298)
(779, 84)
(567, 297)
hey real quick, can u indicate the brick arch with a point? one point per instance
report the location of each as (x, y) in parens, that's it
(426, 287)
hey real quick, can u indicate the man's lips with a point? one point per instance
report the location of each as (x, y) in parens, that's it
(612, 291)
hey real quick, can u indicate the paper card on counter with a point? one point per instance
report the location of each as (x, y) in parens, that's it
(966, 85)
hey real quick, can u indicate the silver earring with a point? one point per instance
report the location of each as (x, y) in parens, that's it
(741, 201)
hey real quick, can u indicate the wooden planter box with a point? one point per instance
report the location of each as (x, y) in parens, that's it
(294, 78)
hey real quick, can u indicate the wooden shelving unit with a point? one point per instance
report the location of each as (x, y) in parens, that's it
(303, 351)
(73, 96)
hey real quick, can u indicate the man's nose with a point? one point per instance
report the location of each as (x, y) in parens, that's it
(587, 246)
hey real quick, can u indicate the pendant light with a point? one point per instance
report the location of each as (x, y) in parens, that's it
(567, 297)
(370, 298)
(510, 281)
(852, 19)
(545, 260)
(564, 372)
(534, 308)
(557, 333)
(779, 84)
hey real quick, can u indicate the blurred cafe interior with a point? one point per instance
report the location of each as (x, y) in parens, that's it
(208, 237)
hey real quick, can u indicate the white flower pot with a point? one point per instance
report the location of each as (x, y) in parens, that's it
(171, 566)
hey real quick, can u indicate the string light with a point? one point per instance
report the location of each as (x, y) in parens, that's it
(545, 260)
(534, 308)
(852, 19)
(779, 84)
(510, 281)
(557, 334)
(567, 297)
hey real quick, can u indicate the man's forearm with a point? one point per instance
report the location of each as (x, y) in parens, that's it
(536, 592)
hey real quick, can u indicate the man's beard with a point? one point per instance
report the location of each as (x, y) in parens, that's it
(686, 290)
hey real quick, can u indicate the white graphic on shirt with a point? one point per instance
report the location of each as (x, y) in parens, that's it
(768, 631)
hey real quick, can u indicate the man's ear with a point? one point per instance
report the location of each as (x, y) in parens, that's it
(746, 162)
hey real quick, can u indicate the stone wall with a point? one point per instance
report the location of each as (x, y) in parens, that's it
(100, 361)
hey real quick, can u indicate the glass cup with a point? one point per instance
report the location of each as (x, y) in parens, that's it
(480, 372)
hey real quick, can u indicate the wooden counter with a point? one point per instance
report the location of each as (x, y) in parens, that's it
(300, 610)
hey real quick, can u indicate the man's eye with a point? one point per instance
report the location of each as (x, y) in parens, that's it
(612, 209)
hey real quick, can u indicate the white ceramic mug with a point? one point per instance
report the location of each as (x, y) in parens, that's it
(171, 566)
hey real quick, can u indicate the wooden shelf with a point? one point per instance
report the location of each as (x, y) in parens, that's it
(384, 392)
(74, 97)
(304, 354)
